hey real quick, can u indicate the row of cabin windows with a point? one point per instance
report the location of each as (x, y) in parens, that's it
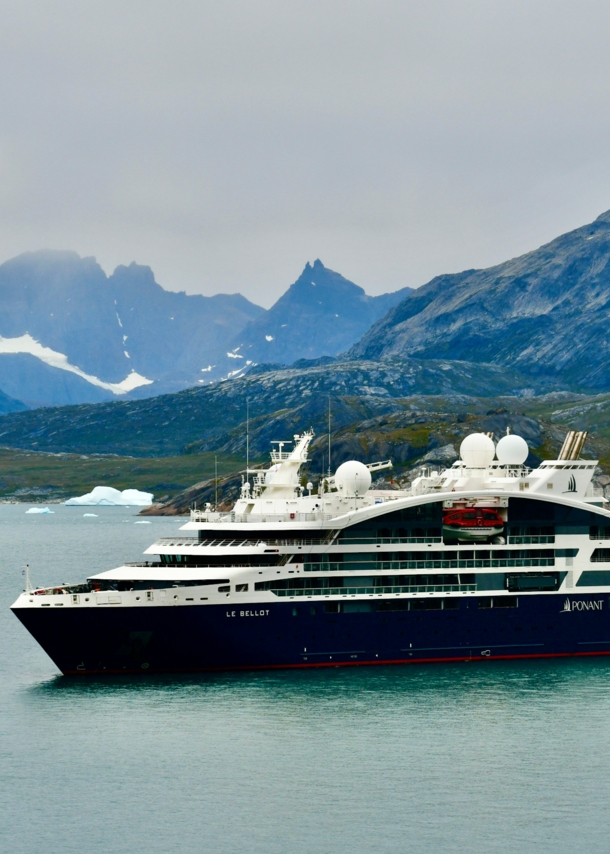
(327, 582)
(542, 533)
(448, 559)
(415, 534)
(394, 605)
(453, 583)
(594, 578)
(380, 584)
(431, 554)
(220, 560)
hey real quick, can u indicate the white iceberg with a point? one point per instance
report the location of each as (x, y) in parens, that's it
(39, 510)
(106, 496)
(89, 514)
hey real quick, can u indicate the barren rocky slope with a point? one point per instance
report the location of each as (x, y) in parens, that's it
(545, 314)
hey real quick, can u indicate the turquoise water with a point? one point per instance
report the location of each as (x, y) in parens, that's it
(490, 757)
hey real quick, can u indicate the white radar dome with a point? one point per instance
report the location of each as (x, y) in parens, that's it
(512, 450)
(477, 450)
(353, 477)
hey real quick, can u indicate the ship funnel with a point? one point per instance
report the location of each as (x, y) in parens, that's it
(573, 444)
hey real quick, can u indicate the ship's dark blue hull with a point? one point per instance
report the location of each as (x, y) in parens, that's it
(109, 639)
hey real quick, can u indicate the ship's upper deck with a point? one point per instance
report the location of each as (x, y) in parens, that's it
(485, 473)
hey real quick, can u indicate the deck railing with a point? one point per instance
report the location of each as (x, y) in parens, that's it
(372, 591)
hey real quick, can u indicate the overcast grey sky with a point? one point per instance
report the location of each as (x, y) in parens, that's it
(227, 143)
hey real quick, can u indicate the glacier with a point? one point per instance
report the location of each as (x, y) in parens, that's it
(108, 496)
(27, 344)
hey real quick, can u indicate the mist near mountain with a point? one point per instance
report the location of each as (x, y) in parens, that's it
(71, 334)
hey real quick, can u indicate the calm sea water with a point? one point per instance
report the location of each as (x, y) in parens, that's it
(492, 757)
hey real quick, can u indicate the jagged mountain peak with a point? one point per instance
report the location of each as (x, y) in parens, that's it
(327, 282)
(321, 314)
(141, 272)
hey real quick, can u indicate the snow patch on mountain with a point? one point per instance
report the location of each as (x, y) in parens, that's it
(27, 344)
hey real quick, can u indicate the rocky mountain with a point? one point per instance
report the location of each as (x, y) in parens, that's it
(69, 333)
(545, 313)
(321, 314)
(282, 402)
(415, 412)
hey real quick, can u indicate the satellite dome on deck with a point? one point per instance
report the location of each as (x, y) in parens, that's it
(353, 477)
(477, 450)
(512, 450)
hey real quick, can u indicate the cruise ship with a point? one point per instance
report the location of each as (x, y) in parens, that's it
(487, 559)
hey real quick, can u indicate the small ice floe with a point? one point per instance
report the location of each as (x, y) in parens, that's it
(107, 496)
(90, 514)
(142, 523)
(39, 510)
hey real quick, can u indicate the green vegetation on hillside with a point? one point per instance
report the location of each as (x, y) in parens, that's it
(36, 476)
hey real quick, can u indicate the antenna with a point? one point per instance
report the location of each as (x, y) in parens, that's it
(329, 435)
(247, 437)
(215, 482)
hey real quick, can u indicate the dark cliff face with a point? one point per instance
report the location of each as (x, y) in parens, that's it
(545, 313)
(321, 314)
